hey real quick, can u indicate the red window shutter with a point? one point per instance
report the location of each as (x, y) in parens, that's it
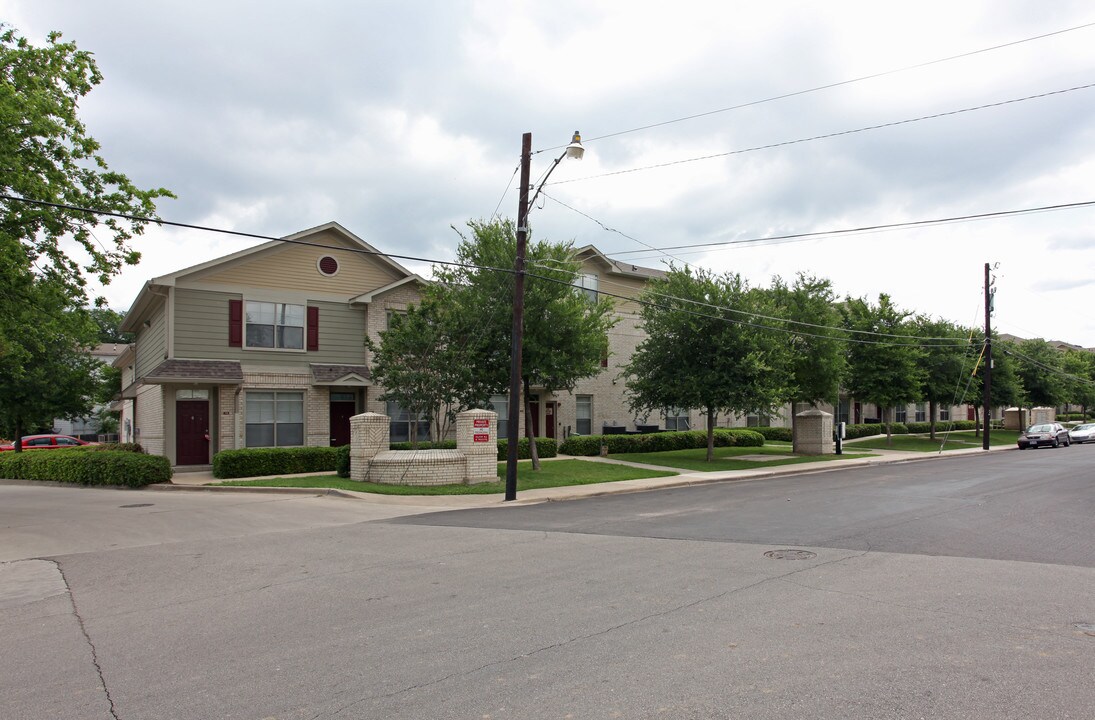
(235, 323)
(313, 328)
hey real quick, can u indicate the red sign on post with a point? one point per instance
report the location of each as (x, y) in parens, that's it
(481, 422)
(481, 437)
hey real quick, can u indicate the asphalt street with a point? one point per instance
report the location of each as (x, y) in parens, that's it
(957, 588)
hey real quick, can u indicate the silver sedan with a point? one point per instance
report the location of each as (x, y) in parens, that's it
(1082, 433)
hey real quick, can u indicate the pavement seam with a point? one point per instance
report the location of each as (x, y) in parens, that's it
(87, 638)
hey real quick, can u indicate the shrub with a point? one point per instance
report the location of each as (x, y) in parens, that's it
(545, 448)
(425, 445)
(775, 433)
(590, 445)
(253, 462)
(942, 426)
(101, 467)
(342, 461)
(851, 432)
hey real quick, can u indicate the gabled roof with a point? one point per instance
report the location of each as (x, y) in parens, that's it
(152, 287)
(616, 267)
(353, 375)
(373, 294)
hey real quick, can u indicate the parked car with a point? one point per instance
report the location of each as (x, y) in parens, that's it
(1050, 434)
(47, 442)
(1082, 433)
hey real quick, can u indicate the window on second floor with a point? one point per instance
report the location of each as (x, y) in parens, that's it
(274, 325)
(587, 286)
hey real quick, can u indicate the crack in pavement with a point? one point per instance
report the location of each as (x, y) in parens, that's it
(87, 638)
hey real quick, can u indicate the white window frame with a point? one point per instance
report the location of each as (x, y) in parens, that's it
(588, 286)
(583, 422)
(282, 327)
(281, 413)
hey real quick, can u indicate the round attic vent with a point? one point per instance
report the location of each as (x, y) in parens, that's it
(328, 265)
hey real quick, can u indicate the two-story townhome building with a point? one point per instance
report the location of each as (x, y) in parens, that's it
(261, 348)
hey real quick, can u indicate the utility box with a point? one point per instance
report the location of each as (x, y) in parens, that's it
(813, 433)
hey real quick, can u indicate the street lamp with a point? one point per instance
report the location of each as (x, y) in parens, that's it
(573, 150)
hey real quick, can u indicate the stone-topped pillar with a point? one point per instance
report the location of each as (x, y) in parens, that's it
(477, 438)
(813, 433)
(370, 434)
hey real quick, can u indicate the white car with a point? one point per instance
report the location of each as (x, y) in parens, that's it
(1082, 433)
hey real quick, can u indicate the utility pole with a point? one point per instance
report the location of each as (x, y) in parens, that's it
(986, 412)
(513, 421)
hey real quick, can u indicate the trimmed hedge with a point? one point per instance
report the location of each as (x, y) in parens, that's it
(941, 426)
(590, 445)
(851, 432)
(253, 462)
(100, 467)
(775, 433)
(342, 461)
(119, 447)
(545, 448)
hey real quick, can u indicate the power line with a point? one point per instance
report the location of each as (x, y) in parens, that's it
(829, 86)
(364, 251)
(873, 228)
(825, 136)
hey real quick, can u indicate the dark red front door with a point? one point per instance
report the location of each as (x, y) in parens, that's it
(192, 432)
(341, 412)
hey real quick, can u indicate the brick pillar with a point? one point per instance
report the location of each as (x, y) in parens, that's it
(813, 433)
(369, 435)
(477, 438)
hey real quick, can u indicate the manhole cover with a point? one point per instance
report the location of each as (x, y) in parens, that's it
(137, 505)
(1086, 628)
(790, 554)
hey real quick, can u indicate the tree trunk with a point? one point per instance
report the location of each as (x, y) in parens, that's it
(18, 441)
(931, 419)
(710, 434)
(532, 453)
(887, 415)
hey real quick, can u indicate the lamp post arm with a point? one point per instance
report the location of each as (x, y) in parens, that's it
(543, 182)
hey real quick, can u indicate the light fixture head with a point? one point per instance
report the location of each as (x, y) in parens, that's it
(575, 149)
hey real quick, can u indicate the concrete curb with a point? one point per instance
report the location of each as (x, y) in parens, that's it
(577, 492)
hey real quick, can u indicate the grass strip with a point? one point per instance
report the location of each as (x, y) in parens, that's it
(553, 473)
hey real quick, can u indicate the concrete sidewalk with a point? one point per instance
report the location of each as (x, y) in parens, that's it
(202, 481)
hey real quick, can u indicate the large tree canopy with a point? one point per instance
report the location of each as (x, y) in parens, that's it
(704, 348)
(48, 160)
(47, 155)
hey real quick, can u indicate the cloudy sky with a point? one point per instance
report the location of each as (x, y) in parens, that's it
(401, 119)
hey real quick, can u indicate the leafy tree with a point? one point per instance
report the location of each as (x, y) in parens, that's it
(818, 359)
(1079, 369)
(565, 333)
(947, 365)
(419, 363)
(108, 322)
(699, 353)
(45, 363)
(1039, 368)
(885, 368)
(47, 155)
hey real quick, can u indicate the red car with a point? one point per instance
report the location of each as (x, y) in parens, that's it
(46, 442)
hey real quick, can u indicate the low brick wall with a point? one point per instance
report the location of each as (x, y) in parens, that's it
(418, 467)
(474, 461)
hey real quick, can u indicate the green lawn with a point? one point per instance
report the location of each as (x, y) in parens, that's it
(922, 443)
(553, 473)
(729, 458)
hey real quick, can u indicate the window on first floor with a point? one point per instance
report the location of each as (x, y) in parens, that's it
(500, 405)
(901, 414)
(400, 424)
(921, 412)
(944, 413)
(274, 419)
(677, 419)
(754, 420)
(583, 424)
